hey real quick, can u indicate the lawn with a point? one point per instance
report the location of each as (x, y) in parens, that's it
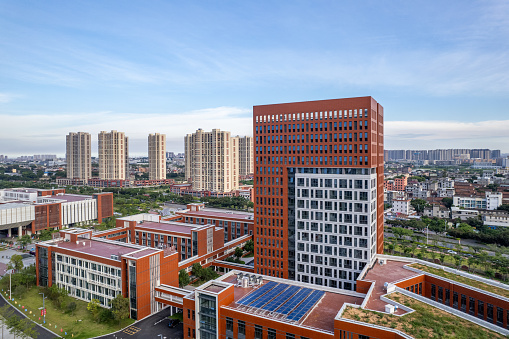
(81, 324)
(461, 279)
(426, 322)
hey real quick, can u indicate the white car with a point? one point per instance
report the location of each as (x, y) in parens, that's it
(452, 252)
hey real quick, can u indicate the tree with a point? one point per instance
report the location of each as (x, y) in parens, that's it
(391, 248)
(458, 259)
(25, 240)
(400, 232)
(20, 291)
(442, 258)
(184, 279)
(94, 308)
(16, 262)
(471, 261)
(249, 247)
(197, 268)
(447, 202)
(238, 252)
(120, 308)
(71, 307)
(419, 205)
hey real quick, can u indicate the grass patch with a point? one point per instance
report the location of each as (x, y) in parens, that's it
(426, 322)
(463, 280)
(86, 328)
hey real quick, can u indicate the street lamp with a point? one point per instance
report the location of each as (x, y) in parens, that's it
(10, 284)
(43, 308)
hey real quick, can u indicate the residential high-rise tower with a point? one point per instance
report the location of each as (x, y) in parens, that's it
(246, 148)
(78, 155)
(157, 156)
(212, 161)
(318, 183)
(113, 156)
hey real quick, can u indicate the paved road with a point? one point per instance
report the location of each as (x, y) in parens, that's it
(43, 333)
(150, 328)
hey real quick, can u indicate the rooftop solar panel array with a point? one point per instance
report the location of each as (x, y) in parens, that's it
(294, 301)
(281, 299)
(305, 306)
(257, 293)
(268, 296)
(289, 300)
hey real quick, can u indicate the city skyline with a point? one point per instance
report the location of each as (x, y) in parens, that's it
(441, 71)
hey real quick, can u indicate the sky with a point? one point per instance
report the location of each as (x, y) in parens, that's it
(439, 68)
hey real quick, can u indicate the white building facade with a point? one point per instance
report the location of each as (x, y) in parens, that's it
(335, 225)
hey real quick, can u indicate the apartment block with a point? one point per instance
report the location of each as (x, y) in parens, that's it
(491, 201)
(318, 187)
(78, 155)
(212, 161)
(246, 163)
(113, 156)
(157, 156)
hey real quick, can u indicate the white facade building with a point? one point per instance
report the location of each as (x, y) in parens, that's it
(491, 201)
(401, 206)
(335, 226)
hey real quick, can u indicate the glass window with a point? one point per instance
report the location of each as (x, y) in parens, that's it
(258, 332)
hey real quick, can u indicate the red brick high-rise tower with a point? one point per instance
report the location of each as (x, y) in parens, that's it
(318, 187)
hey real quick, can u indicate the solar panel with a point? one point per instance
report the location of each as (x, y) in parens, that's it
(257, 293)
(305, 306)
(294, 301)
(281, 299)
(268, 297)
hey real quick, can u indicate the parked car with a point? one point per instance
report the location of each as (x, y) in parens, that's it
(32, 253)
(173, 323)
(452, 252)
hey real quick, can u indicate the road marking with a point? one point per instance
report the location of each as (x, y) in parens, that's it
(132, 330)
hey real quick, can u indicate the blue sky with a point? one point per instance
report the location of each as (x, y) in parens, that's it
(439, 68)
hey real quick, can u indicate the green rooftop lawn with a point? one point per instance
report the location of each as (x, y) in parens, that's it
(426, 322)
(81, 324)
(463, 280)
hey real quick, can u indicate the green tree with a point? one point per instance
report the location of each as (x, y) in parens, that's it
(401, 232)
(120, 308)
(447, 202)
(16, 262)
(391, 248)
(184, 279)
(249, 247)
(197, 269)
(442, 258)
(25, 240)
(94, 307)
(71, 307)
(238, 252)
(419, 205)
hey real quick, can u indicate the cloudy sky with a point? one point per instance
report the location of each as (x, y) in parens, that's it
(439, 68)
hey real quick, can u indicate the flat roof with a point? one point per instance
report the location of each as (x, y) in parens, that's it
(97, 247)
(320, 316)
(70, 197)
(175, 227)
(220, 214)
(10, 205)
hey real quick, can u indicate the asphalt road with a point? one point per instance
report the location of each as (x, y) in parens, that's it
(43, 333)
(150, 328)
